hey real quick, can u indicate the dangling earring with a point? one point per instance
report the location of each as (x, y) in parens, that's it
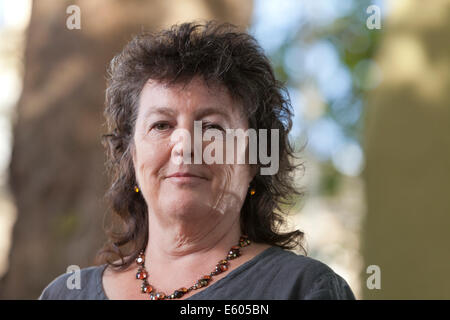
(136, 189)
(252, 191)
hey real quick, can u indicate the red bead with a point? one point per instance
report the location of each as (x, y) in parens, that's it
(244, 242)
(141, 275)
(160, 296)
(202, 283)
(146, 288)
(233, 254)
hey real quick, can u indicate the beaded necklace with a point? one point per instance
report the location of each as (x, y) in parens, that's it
(222, 266)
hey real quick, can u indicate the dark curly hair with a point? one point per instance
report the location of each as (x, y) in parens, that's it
(219, 53)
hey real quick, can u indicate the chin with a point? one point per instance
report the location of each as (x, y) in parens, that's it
(186, 203)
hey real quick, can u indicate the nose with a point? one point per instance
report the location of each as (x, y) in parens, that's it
(187, 143)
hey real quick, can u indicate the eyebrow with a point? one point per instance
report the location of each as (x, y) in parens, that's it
(199, 114)
(158, 110)
(212, 110)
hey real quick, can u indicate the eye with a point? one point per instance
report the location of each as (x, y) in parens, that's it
(161, 126)
(213, 126)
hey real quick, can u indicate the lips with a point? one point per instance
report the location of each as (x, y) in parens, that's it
(184, 175)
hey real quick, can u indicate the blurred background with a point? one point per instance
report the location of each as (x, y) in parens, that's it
(369, 82)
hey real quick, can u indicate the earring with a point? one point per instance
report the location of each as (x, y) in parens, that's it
(136, 189)
(252, 191)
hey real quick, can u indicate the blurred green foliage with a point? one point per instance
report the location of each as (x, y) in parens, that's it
(355, 45)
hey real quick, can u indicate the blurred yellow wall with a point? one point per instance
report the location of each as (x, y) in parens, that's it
(406, 232)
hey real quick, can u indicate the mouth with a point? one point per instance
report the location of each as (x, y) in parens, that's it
(184, 176)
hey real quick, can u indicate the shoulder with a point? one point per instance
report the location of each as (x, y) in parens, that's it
(306, 277)
(82, 284)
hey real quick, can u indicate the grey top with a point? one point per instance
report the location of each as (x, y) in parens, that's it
(273, 274)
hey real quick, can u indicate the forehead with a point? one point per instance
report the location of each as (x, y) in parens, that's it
(195, 96)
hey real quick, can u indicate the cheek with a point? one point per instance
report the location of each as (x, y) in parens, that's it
(150, 159)
(229, 187)
(221, 177)
(230, 178)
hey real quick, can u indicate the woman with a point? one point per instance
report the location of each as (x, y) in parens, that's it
(189, 229)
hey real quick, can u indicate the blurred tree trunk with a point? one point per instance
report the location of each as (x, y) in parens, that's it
(408, 156)
(57, 168)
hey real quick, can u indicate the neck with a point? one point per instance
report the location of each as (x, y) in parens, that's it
(183, 239)
(178, 255)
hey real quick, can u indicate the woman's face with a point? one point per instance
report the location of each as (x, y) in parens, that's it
(217, 190)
